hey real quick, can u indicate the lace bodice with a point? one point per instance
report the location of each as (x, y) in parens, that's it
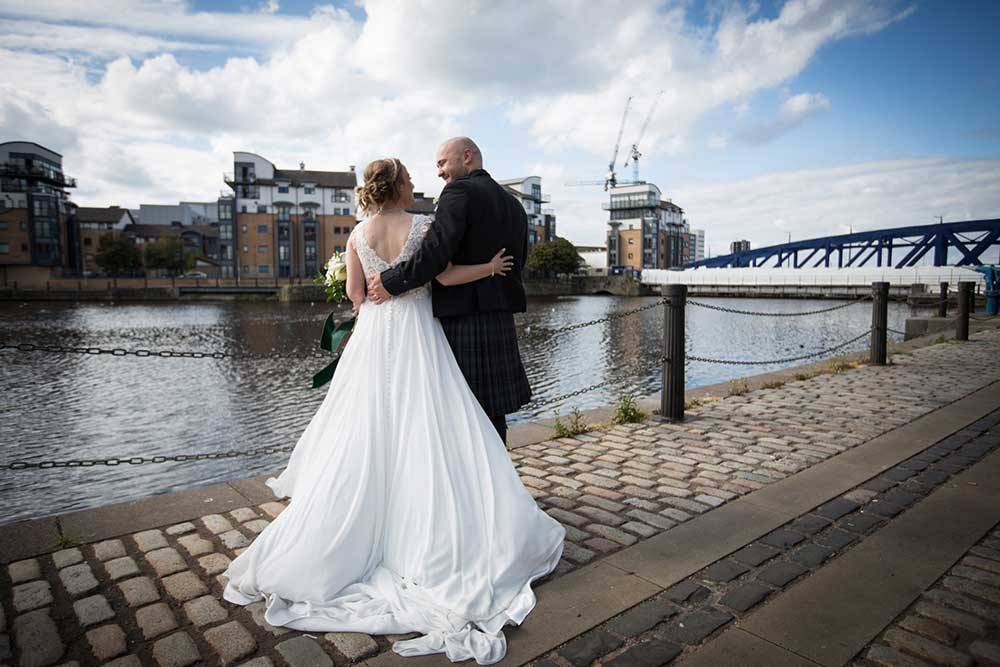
(373, 264)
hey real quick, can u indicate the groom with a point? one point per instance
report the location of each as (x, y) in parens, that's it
(475, 218)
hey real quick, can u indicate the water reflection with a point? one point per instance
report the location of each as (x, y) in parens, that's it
(82, 406)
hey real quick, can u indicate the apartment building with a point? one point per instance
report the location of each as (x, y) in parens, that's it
(91, 223)
(645, 231)
(595, 257)
(541, 221)
(283, 222)
(698, 245)
(34, 207)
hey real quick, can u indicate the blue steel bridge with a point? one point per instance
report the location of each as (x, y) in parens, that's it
(898, 247)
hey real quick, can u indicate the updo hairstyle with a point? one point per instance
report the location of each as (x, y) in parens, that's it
(381, 187)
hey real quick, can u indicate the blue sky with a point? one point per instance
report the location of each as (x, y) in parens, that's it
(804, 117)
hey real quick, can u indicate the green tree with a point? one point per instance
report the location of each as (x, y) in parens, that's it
(166, 253)
(117, 255)
(557, 256)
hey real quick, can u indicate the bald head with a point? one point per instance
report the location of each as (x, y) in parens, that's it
(457, 158)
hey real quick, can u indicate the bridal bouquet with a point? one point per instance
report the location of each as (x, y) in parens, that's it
(333, 278)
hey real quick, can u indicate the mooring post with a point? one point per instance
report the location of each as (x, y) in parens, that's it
(880, 323)
(672, 393)
(943, 301)
(964, 308)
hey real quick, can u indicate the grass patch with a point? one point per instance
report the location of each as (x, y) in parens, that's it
(840, 366)
(738, 387)
(575, 426)
(806, 375)
(693, 403)
(773, 384)
(627, 412)
(66, 541)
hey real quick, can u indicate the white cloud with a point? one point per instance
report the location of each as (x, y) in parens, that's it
(88, 41)
(794, 111)
(332, 90)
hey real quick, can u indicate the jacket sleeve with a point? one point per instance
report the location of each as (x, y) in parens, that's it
(438, 247)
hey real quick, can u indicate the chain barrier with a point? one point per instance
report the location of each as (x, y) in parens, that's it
(982, 319)
(740, 362)
(140, 460)
(760, 313)
(264, 451)
(608, 318)
(162, 354)
(895, 331)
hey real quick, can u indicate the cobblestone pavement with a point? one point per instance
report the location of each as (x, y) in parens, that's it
(154, 597)
(956, 622)
(677, 622)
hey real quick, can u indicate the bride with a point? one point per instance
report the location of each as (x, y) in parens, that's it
(406, 514)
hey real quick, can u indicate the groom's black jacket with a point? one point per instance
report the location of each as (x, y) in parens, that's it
(475, 218)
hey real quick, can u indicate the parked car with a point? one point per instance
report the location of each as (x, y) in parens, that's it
(195, 274)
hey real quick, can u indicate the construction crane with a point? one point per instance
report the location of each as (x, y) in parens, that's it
(611, 180)
(634, 154)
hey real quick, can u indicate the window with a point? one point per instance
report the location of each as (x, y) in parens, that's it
(262, 229)
(243, 208)
(245, 268)
(283, 253)
(336, 230)
(4, 248)
(309, 190)
(630, 255)
(87, 241)
(283, 189)
(246, 249)
(3, 204)
(631, 241)
(261, 208)
(243, 228)
(262, 250)
(338, 248)
(263, 268)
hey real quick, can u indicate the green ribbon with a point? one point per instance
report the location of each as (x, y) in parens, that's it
(331, 339)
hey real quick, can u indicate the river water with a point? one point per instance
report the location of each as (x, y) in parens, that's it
(55, 406)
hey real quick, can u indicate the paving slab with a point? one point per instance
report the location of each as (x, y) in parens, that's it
(866, 588)
(150, 512)
(737, 647)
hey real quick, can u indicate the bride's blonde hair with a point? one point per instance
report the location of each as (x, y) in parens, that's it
(381, 187)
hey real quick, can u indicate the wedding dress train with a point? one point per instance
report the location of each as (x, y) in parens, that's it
(406, 514)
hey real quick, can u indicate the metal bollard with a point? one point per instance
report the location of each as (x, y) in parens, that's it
(880, 323)
(964, 308)
(943, 301)
(672, 393)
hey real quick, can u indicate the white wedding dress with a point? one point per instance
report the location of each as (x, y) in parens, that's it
(406, 514)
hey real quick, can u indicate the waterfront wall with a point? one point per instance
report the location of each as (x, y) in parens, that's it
(583, 285)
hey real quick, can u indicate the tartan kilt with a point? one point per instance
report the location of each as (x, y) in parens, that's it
(485, 346)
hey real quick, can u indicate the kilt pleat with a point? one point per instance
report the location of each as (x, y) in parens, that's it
(485, 346)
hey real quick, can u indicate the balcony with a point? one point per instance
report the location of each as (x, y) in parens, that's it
(36, 173)
(230, 179)
(618, 204)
